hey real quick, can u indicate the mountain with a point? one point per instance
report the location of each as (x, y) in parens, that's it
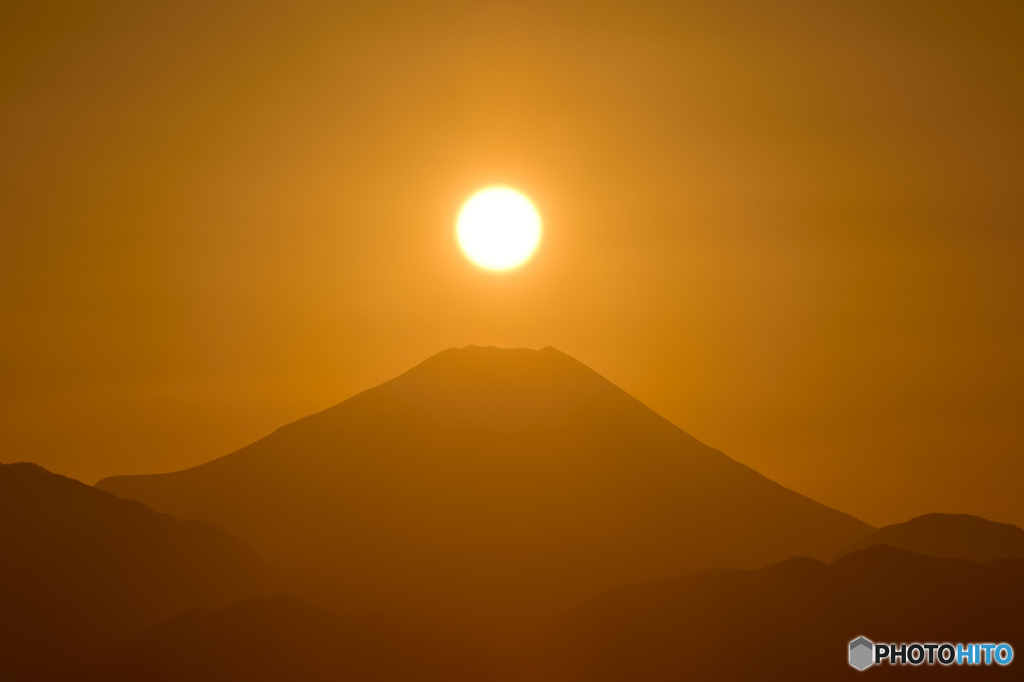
(492, 485)
(82, 571)
(283, 639)
(789, 621)
(951, 536)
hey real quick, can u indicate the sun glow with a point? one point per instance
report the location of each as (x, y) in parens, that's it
(498, 228)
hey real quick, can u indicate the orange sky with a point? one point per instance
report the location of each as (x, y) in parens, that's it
(793, 228)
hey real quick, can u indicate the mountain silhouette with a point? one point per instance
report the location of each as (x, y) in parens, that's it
(283, 639)
(788, 621)
(950, 536)
(83, 570)
(493, 485)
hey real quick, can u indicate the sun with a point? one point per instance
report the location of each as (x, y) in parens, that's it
(498, 228)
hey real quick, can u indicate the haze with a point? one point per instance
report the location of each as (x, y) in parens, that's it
(793, 229)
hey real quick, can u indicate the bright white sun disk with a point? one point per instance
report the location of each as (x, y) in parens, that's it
(498, 228)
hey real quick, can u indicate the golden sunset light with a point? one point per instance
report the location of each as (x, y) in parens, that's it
(532, 341)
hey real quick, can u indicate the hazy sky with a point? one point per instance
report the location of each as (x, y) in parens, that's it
(794, 228)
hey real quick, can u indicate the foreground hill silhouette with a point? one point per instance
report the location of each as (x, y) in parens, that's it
(789, 621)
(284, 639)
(82, 570)
(493, 484)
(950, 536)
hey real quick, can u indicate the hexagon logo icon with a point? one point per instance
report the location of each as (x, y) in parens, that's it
(861, 653)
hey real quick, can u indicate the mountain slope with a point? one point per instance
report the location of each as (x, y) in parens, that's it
(83, 570)
(949, 536)
(283, 639)
(494, 484)
(789, 621)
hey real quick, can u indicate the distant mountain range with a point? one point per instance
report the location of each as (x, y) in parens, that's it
(489, 516)
(789, 621)
(493, 485)
(953, 536)
(82, 571)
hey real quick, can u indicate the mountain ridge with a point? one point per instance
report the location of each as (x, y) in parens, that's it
(502, 480)
(786, 621)
(939, 535)
(84, 569)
